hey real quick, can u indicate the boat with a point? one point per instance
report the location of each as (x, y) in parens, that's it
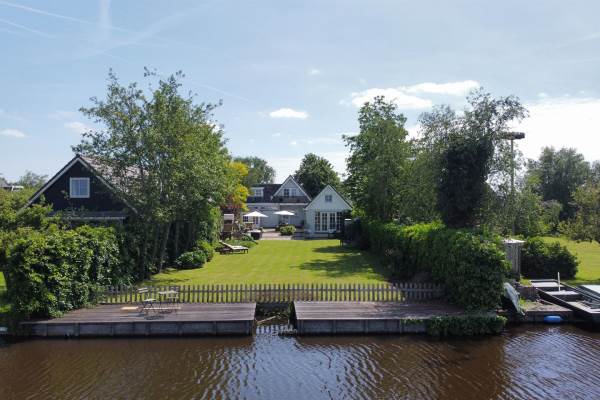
(584, 301)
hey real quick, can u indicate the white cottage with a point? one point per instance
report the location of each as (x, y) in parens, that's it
(325, 213)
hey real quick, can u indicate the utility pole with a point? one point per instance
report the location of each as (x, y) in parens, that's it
(512, 136)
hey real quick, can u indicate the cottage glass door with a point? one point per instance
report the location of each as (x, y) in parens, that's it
(324, 221)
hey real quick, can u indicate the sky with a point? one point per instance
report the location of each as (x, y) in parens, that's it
(292, 75)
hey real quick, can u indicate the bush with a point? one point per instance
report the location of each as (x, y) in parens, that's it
(191, 260)
(52, 271)
(206, 248)
(543, 260)
(287, 230)
(465, 325)
(472, 266)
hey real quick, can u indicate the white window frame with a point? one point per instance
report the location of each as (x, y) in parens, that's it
(286, 192)
(257, 191)
(79, 196)
(328, 198)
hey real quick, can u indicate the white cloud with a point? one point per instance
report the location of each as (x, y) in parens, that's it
(77, 127)
(288, 113)
(62, 114)
(562, 122)
(276, 134)
(314, 71)
(15, 133)
(461, 88)
(405, 97)
(397, 95)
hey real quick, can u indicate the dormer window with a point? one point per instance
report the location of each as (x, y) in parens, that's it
(256, 192)
(79, 188)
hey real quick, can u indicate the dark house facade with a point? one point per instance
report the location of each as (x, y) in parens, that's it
(80, 191)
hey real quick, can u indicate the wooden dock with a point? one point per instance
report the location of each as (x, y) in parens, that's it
(122, 320)
(331, 318)
(584, 303)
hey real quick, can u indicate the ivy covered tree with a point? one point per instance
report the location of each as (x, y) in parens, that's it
(167, 158)
(315, 173)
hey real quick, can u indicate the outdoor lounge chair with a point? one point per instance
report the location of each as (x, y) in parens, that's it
(230, 249)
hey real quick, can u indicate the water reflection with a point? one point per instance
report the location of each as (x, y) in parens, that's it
(540, 362)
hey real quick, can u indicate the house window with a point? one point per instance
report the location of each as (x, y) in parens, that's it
(328, 198)
(332, 221)
(257, 192)
(340, 221)
(79, 188)
(317, 221)
(286, 192)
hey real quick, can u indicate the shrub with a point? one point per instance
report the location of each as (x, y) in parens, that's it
(191, 260)
(465, 325)
(543, 260)
(206, 248)
(287, 230)
(472, 266)
(52, 271)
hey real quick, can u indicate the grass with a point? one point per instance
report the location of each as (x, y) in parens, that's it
(283, 261)
(588, 254)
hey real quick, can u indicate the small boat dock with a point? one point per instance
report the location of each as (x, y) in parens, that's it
(366, 317)
(187, 319)
(584, 301)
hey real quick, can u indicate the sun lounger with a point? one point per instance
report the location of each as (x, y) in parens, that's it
(230, 249)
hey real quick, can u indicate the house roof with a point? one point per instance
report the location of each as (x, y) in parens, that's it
(269, 190)
(4, 183)
(291, 178)
(102, 172)
(321, 193)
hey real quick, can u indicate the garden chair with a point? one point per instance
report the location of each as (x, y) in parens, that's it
(146, 303)
(228, 248)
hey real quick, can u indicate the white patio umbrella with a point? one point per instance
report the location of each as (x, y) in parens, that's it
(255, 214)
(285, 213)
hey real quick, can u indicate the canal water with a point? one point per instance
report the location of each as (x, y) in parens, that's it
(533, 362)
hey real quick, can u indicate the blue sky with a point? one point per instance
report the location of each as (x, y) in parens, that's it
(291, 74)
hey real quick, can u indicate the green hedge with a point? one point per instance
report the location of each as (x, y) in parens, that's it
(191, 260)
(465, 325)
(543, 260)
(472, 266)
(206, 248)
(53, 271)
(287, 230)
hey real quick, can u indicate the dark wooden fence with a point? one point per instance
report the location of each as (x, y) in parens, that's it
(275, 293)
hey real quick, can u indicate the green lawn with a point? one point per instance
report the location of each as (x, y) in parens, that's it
(589, 259)
(283, 261)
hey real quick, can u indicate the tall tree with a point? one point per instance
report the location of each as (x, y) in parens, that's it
(557, 174)
(32, 180)
(481, 131)
(165, 155)
(378, 162)
(315, 173)
(259, 171)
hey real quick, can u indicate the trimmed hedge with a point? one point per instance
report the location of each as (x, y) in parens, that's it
(472, 266)
(465, 325)
(287, 230)
(206, 248)
(541, 260)
(53, 271)
(191, 260)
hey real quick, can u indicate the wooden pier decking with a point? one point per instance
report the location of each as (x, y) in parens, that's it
(352, 317)
(121, 320)
(584, 303)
